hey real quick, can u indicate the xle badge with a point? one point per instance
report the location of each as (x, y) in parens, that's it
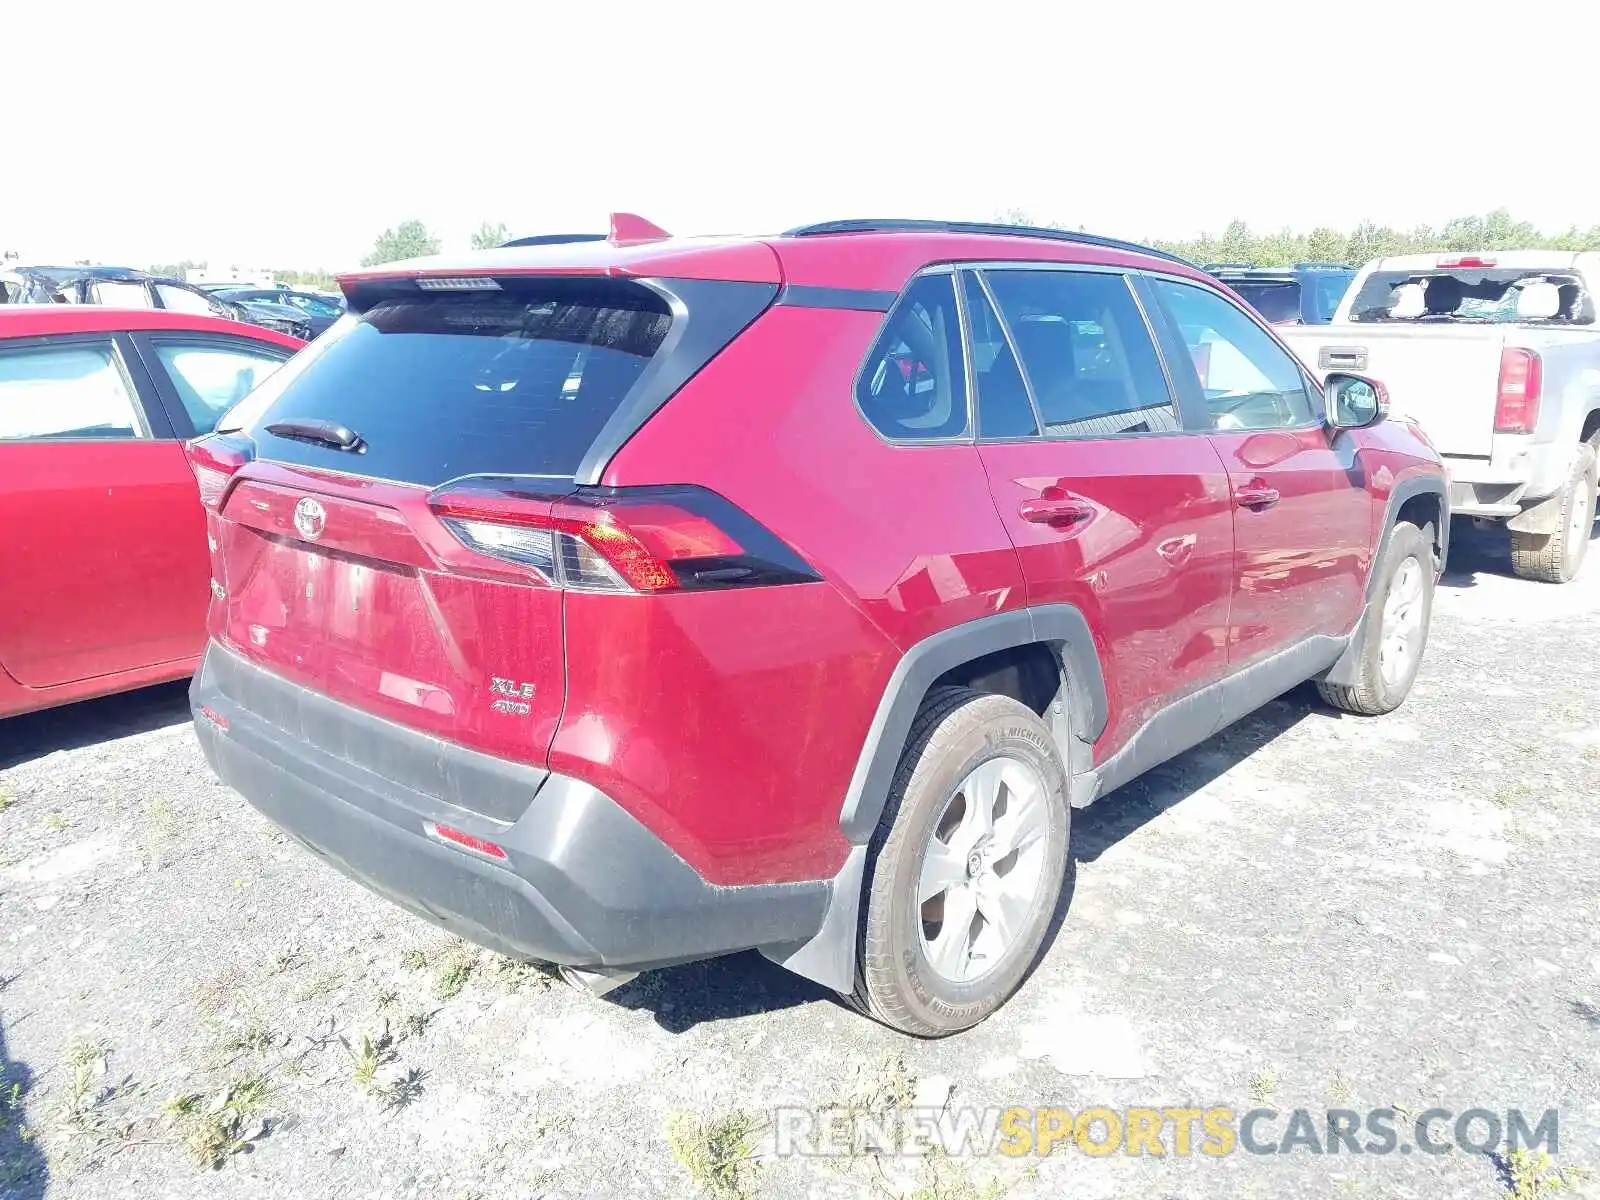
(511, 697)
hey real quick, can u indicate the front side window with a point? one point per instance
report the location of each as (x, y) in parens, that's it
(913, 387)
(75, 390)
(1248, 380)
(1088, 357)
(210, 379)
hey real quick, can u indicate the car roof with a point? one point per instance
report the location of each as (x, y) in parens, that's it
(39, 320)
(870, 255)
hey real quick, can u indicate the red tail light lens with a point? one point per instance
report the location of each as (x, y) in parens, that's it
(656, 539)
(215, 460)
(1516, 408)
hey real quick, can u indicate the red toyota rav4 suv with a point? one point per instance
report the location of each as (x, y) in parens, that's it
(628, 601)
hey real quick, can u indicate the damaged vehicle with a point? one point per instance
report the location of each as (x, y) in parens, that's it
(128, 287)
(1497, 356)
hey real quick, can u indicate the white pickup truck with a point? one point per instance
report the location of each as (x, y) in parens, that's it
(1496, 356)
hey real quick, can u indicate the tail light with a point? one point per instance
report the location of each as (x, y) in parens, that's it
(215, 460)
(647, 539)
(1516, 407)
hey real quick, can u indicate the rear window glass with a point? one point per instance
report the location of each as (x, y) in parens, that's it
(1472, 295)
(513, 382)
(1278, 302)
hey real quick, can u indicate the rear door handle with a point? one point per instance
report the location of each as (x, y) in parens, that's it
(1055, 510)
(1256, 496)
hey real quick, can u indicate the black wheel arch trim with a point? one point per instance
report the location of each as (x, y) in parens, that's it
(1408, 489)
(1083, 688)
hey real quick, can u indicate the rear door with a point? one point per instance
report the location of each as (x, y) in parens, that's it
(1112, 505)
(1302, 513)
(103, 541)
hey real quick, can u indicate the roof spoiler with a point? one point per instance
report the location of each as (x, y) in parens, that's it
(625, 227)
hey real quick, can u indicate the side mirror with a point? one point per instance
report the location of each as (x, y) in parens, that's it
(1353, 401)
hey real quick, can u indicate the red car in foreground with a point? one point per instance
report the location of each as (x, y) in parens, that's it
(104, 578)
(628, 601)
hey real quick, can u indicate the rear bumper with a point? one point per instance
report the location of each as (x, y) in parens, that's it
(1519, 473)
(583, 883)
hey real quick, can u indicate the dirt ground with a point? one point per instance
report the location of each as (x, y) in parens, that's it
(1309, 911)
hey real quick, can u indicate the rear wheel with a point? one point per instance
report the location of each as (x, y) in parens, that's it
(1395, 630)
(1556, 557)
(966, 865)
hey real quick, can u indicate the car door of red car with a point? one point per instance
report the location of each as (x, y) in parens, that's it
(1112, 505)
(102, 535)
(1302, 513)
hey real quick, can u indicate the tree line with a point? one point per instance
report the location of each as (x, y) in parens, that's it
(1238, 243)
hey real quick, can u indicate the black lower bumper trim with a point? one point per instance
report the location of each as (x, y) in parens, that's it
(584, 883)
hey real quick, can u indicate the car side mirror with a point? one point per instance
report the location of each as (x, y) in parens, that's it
(1354, 401)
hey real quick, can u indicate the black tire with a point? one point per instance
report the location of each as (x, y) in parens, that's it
(956, 731)
(1557, 557)
(1371, 695)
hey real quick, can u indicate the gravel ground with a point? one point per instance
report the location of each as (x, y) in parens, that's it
(1307, 911)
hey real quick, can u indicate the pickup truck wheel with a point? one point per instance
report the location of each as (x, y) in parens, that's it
(966, 866)
(1395, 630)
(1556, 557)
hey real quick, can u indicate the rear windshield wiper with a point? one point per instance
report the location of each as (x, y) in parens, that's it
(322, 433)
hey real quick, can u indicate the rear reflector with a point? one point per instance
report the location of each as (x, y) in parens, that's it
(1516, 406)
(215, 460)
(652, 539)
(467, 841)
(216, 718)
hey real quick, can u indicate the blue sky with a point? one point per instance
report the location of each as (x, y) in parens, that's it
(290, 134)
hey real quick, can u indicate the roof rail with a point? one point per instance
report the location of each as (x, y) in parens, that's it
(1313, 266)
(901, 225)
(553, 239)
(1214, 267)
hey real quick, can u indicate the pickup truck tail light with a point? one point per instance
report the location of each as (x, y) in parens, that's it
(1516, 406)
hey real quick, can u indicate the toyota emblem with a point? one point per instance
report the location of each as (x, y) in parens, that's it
(310, 518)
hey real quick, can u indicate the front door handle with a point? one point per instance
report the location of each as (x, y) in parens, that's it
(1055, 510)
(1256, 496)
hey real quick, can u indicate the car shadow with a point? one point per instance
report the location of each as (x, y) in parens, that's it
(717, 989)
(741, 985)
(24, 1174)
(72, 726)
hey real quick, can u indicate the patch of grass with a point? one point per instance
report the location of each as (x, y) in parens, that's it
(369, 1056)
(1262, 1085)
(1533, 1175)
(10, 1107)
(387, 1000)
(229, 1123)
(454, 968)
(55, 822)
(288, 960)
(7, 797)
(323, 984)
(885, 1087)
(255, 1036)
(1512, 792)
(415, 959)
(943, 1178)
(415, 1024)
(715, 1152)
(1339, 1089)
(512, 974)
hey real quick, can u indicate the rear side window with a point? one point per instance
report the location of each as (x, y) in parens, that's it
(211, 378)
(1086, 352)
(914, 387)
(512, 382)
(74, 390)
